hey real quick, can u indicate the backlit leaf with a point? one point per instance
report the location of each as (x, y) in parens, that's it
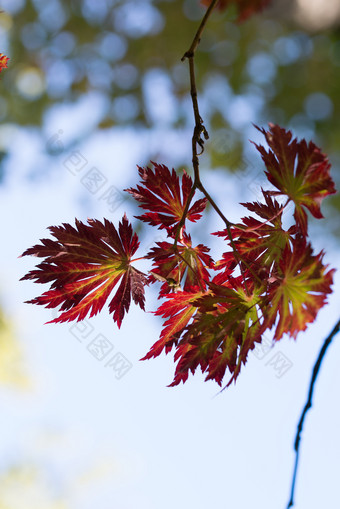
(297, 290)
(165, 197)
(83, 265)
(184, 265)
(298, 170)
(178, 309)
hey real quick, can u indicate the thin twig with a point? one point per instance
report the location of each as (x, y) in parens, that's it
(232, 243)
(199, 128)
(198, 140)
(198, 34)
(308, 405)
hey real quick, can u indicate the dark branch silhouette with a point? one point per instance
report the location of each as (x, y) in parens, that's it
(308, 405)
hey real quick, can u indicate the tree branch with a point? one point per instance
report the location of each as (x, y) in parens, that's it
(198, 140)
(308, 405)
(199, 128)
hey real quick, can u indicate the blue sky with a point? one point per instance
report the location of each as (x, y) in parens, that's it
(133, 442)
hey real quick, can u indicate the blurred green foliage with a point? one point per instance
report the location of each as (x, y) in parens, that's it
(271, 68)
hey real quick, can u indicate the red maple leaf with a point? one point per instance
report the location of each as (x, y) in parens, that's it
(258, 243)
(178, 309)
(3, 61)
(181, 266)
(298, 170)
(84, 264)
(245, 8)
(165, 197)
(224, 329)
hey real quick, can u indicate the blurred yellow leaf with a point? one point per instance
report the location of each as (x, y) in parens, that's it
(27, 488)
(12, 370)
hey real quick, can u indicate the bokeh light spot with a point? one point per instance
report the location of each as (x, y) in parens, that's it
(318, 106)
(261, 68)
(30, 82)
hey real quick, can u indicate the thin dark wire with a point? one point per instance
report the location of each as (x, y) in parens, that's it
(308, 405)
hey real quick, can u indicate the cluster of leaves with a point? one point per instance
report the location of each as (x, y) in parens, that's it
(215, 311)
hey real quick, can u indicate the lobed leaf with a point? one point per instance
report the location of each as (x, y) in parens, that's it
(297, 290)
(83, 265)
(178, 309)
(181, 266)
(165, 197)
(223, 330)
(259, 243)
(298, 170)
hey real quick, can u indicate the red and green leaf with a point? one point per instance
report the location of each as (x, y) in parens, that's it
(181, 266)
(258, 243)
(297, 289)
(298, 170)
(165, 197)
(178, 309)
(221, 334)
(3, 61)
(83, 265)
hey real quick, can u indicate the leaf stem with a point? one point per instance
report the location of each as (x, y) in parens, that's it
(184, 215)
(270, 220)
(137, 259)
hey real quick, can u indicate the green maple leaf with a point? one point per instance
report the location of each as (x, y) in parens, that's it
(297, 291)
